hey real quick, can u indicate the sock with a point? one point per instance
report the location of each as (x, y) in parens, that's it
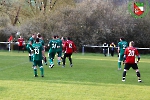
(51, 61)
(119, 64)
(138, 74)
(70, 60)
(59, 61)
(35, 71)
(42, 70)
(124, 74)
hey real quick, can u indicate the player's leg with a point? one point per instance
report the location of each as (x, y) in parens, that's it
(41, 68)
(135, 67)
(18, 49)
(59, 57)
(51, 57)
(23, 48)
(120, 59)
(44, 58)
(35, 69)
(70, 59)
(64, 60)
(126, 68)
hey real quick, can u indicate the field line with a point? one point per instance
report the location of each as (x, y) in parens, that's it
(107, 59)
(6, 67)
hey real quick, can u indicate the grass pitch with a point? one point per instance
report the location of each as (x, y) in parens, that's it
(92, 77)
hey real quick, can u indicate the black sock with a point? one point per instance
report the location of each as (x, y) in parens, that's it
(138, 74)
(124, 74)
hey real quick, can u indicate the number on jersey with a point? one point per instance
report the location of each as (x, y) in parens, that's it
(70, 45)
(54, 45)
(36, 50)
(131, 53)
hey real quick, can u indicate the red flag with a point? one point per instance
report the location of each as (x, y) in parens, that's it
(10, 38)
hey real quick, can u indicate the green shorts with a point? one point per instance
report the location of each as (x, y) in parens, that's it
(59, 53)
(38, 62)
(52, 55)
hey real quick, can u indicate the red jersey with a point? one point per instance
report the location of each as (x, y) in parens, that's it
(69, 46)
(20, 41)
(63, 44)
(131, 54)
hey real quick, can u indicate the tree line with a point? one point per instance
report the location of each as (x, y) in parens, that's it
(90, 22)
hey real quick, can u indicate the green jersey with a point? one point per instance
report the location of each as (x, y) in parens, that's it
(53, 46)
(37, 48)
(31, 40)
(122, 45)
(59, 46)
(42, 42)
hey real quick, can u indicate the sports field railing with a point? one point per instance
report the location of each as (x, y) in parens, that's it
(108, 48)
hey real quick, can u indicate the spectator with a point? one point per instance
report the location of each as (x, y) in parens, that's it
(105, 48)
(112, 48)
(20, 44)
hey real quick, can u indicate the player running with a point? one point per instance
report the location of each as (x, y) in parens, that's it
(69, 48)
(52, 50)
(130, 60)
(122, 45)
(38, 54)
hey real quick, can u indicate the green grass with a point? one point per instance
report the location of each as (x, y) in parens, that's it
(93, 77)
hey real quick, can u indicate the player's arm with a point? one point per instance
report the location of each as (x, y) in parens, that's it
(74, 48)
(64, 47)
(138, 56)
(118, 48)
(43, 52)
(49, 43)
(124, 57)
(31, 49)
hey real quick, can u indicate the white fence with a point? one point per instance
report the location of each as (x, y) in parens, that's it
(83, 48)
(8, 44)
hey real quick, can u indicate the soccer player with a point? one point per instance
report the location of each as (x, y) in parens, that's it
(59, 49)
(130, 60)
(52, 50)
(42, 42)
(69, 48)
(38, 54)
(29, 45)
(20, 44)
(121, 48)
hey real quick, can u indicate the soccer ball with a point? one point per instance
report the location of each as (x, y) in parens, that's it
(18, 33)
